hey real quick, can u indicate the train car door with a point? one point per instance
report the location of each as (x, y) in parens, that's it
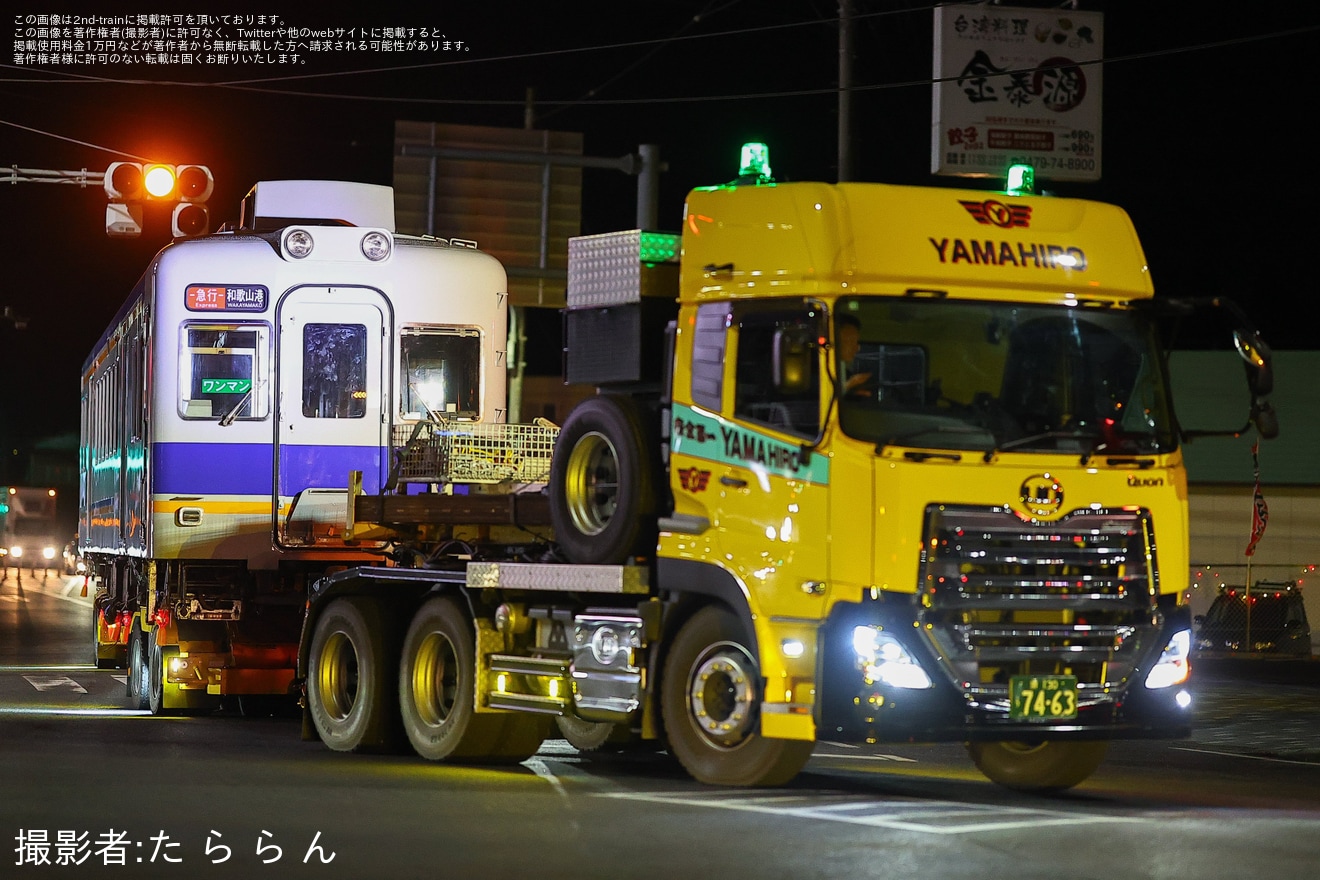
(332, 375)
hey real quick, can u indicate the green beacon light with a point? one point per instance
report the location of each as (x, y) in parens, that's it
(1021, 180)
(755, 163)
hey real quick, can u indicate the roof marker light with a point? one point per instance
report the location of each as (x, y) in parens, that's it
(1021, 180)
(754, 165)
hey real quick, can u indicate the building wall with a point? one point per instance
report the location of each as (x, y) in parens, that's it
(1221, 477)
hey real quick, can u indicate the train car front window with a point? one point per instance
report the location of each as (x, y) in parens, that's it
(334, 371)
(220, 370)
(443, 372)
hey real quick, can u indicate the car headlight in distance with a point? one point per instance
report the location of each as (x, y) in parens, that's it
(16, 552)
(48, 552)
(1172, 667)
(882, 658)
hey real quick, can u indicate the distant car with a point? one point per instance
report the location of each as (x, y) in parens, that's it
(1268, 621)
(73, 561)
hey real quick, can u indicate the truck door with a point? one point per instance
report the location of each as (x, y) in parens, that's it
(331, 402)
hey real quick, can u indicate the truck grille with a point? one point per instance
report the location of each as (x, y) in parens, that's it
(1004, 596)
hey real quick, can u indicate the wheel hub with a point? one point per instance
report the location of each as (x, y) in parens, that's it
(722, 694)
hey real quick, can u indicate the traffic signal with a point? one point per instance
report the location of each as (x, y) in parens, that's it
(124, 188)
(193, 184)
(129, 184)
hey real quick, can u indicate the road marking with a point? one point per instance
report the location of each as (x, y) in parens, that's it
(45, 683)
(1241, 755)
(927, 817)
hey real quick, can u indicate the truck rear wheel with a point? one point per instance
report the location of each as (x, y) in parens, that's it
(602, 483)
(437, 690)
(1045, 766)
(710, 701)
(138, 680)
(349, 692)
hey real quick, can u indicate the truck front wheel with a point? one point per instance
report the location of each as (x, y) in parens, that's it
(710, 701)
(349, 692)
(1038, 767)
(437, 692)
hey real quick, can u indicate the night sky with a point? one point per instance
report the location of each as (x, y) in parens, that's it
(1207, 137)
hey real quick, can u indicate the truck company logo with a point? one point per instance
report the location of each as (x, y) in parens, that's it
(693, 480)
(713, 439)
(1023, 255)
(993, 213)
(1041, 495)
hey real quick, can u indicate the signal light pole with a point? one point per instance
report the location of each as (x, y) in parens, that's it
(128, 184)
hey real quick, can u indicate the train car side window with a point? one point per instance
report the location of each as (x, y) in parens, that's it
(443, 373)
(222, 369)
(334, 371)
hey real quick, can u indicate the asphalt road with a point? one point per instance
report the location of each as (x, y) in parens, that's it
(222, 796)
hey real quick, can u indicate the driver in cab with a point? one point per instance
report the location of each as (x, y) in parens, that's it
(848, 336)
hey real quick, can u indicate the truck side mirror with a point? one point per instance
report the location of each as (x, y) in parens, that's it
(792, 357)
(1257, 355)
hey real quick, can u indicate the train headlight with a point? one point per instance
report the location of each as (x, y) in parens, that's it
(375, 246)
(298, 243)
(882, 658)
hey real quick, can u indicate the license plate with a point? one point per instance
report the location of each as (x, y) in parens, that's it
(1042, 697)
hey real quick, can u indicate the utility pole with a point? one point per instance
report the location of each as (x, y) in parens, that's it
(845, 90)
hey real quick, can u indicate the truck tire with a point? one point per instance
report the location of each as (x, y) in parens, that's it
(602, 483)
(349, 692)
(1037, 767)
(710, 699)
(437, 689)
(137, 683)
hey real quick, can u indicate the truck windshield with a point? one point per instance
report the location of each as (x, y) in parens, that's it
(1000, 376)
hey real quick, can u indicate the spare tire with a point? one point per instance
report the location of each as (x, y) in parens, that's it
(603, 483)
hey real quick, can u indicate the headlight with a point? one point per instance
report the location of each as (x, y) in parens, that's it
(16, 551)
(882, 658)
(1172, 667)
(48, 552)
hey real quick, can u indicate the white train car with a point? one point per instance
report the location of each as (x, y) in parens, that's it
(223, 410)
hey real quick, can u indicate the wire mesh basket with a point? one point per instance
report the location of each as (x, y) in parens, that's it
(446, 451)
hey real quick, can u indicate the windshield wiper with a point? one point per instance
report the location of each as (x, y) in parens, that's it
(1097, 442)
(228, 418)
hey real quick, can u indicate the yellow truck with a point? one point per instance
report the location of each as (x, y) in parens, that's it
(867, 463)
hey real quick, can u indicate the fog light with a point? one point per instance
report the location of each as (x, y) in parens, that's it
(882, 658)
(1172, 667)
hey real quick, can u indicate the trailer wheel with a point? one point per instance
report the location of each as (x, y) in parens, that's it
(349, 693)
(137, 683)
(1037, 767)
(437, 689)
(602, 483)
(710, 697)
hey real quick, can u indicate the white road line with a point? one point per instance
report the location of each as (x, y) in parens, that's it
(1241, 755)
(885, 817)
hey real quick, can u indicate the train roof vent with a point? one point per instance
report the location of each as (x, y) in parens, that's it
(274, 204)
